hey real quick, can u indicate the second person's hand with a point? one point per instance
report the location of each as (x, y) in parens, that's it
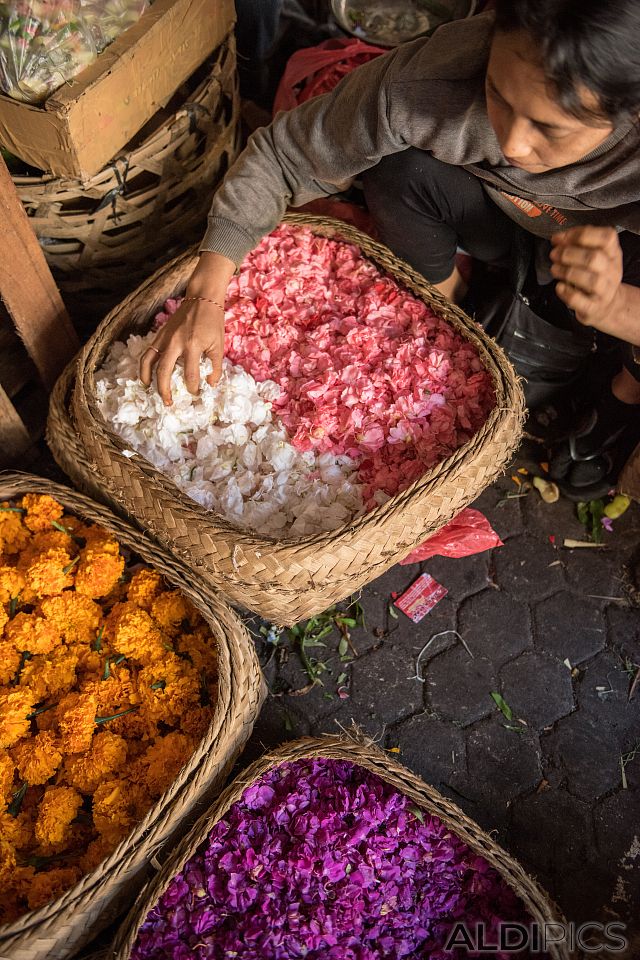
(194, 331)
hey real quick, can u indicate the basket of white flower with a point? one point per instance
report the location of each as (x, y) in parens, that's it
(358, 412)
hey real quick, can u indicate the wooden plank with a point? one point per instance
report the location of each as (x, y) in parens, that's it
(14, 438)
(28, 289)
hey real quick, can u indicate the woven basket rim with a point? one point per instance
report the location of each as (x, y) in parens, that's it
(509, 397)
(352, 746)
(214, 610)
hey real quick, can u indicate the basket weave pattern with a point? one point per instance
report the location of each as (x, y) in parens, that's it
(128, 215)
(363, 753)
(288, 580)
(62, 927)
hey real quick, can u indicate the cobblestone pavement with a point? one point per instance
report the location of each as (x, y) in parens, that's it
(556, 633)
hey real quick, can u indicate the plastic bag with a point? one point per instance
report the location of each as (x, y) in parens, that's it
(468, 533)
(45, 43)
(317, 70)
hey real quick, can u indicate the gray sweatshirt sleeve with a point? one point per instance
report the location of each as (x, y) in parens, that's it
(304, 154)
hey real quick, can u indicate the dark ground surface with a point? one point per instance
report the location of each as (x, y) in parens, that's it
(556, 633)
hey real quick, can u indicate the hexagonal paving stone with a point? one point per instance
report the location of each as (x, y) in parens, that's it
(603, 693)
(495, 626)
(528, 569)
(459, 686)
(462, 577)
(565, 823)
(586, 754)
(570, 627)
(432, 749)
(617, 824)
(382, 690)
(624, 630)
(593, 573)
(537, 688)
(506, 519)
(501, 764)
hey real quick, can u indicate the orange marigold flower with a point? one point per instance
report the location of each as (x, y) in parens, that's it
(118, 692)
(118, 805)
(78, 618)
(57, 811)
(7, 860)
(99, 569)
(169, 688)
(48, 885)
(76, 721)
(15, 707)
(28, 631)
(97, 851)
(90, 661)
(49, 573)
(169, 610)
(105, 757)
(48, 540)
(137, 636)
(14, 536)
(200, 647)
(42, 510)
(17, 830)
(10, 660)
(12, 583)
(7, 769)
(49, 678)
(195, 722)
(144, 587)
(160, 765)
(4, 617)
(37, 758)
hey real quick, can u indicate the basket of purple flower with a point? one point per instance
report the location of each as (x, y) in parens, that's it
(327, 848)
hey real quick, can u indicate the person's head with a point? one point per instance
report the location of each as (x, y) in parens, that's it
(561, 75)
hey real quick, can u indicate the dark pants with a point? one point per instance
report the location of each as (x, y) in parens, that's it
(425, 209)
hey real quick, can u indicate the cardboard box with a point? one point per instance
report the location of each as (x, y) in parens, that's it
(84, 123)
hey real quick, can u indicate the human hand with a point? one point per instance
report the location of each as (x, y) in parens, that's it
(587, 262)
(195, 330)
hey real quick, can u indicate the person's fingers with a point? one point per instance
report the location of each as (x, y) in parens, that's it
(578, 301)
(215, 355)
(148, 361)
(164, 370)
(604, 237)
(595, 259)
(192, 369)
(593, 284)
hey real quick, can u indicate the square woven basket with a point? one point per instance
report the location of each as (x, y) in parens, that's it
(289, 579)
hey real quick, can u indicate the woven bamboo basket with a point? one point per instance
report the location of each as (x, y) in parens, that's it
(364, 754)
(59, 929)
(116, 227)
(287, 580)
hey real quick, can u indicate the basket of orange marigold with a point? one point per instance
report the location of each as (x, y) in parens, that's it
(127, 690)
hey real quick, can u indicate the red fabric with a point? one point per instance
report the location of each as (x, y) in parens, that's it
(316, 70)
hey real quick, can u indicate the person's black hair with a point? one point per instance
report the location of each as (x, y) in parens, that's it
(583, 43)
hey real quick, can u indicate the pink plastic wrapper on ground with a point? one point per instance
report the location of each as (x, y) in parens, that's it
(468, 533)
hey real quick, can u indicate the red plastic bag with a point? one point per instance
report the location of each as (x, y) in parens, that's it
(468, 533)
(316, 70)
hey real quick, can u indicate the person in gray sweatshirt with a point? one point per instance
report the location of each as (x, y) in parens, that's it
(518, 123)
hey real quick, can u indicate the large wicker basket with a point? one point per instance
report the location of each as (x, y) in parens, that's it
(112, 230)
(59, 929)
(363, 753)
(287, 580)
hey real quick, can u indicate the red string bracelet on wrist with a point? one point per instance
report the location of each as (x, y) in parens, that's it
(206, 299)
